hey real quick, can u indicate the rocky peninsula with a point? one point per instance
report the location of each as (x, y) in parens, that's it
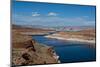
(26, 51)
(85, 36)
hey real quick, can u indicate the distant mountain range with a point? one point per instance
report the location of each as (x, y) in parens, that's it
(58, 28)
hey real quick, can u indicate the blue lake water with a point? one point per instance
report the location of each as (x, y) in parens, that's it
(68, 51)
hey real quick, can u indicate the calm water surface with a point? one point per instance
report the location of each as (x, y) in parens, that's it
(69, 51)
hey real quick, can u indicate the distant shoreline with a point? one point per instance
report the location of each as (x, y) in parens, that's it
(71, 39)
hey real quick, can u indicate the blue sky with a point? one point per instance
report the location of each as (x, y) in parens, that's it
(35, 13)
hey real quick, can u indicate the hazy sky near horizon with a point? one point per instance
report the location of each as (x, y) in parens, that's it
(46, 14)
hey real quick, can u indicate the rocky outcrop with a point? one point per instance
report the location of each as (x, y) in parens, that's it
(27, 51)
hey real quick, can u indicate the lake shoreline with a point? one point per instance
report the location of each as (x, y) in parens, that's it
(92, 42)
(63, 49)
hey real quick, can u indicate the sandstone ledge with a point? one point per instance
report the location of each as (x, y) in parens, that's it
(27, 51)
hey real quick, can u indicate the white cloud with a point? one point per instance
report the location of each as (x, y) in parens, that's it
(52, 14)
(35, 14)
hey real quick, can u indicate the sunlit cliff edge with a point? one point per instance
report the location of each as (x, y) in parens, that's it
(26, 51)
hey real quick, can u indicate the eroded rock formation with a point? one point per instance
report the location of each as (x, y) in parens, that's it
(27, 51)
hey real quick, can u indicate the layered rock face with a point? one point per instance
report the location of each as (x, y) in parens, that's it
(26, 51)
